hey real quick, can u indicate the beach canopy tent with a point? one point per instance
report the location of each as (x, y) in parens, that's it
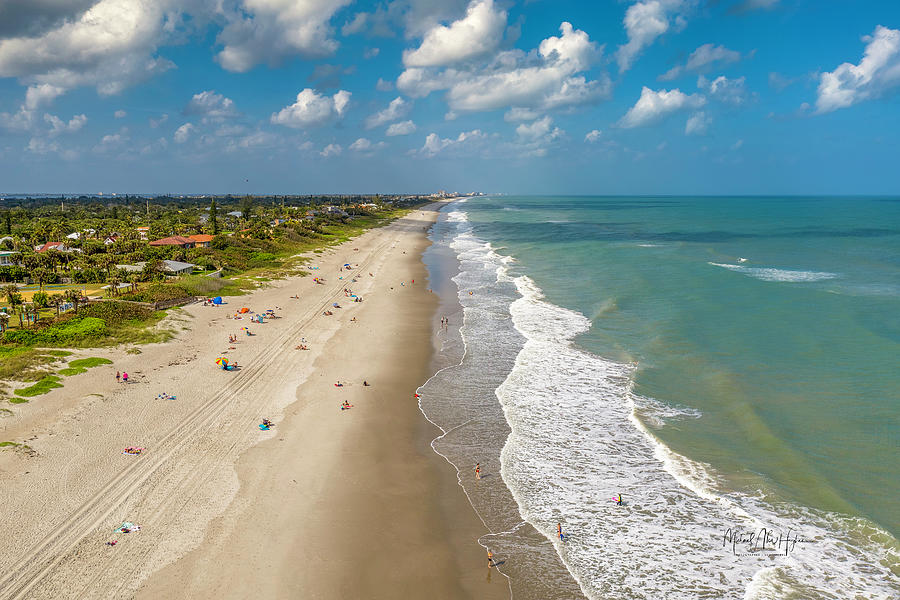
(217, 300)
(222, 362)
(244, 310)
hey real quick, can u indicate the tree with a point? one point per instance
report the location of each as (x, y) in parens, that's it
(41, 299)
(247, 208)
(8, 222)
(114, 280)
(213, 217)
(56, 300)
(73, 296)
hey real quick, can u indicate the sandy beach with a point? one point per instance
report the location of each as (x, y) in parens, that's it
(330, 503)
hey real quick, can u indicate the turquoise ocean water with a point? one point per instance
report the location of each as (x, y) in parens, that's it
(725, 363)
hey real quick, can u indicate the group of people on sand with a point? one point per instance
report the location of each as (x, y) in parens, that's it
(121, 377)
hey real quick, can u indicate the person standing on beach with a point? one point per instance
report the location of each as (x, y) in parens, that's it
(124, 377)
(477, 470)
(118, 377)
(490, 559)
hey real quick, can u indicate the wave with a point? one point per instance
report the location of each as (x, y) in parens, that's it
(578, 435)
(783, 275)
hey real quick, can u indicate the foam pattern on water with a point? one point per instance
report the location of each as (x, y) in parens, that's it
(782, 275)
(573, 434)
(575, 442)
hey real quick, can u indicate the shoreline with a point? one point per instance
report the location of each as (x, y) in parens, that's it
(377, 512)
(357, 511)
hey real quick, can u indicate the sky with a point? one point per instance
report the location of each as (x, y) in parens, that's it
(715, 97)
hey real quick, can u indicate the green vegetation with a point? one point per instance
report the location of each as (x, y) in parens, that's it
(25, 364)
(266, 240)
(43, 386)
(82, 365)
(9, 444)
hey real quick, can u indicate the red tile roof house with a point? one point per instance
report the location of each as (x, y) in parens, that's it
(201, 240)
(143, 232)
(175, 240)
(61, 246)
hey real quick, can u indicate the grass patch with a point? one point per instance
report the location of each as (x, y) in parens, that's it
(89, 363)
(59, 353)
(9, 445)
(82, 365)
(133, 351)
(41, 387)
(15, 400)
(20, 363)
(5, 412)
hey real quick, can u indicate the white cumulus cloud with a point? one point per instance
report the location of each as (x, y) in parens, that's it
(311, 109)
(58, 126)
(211, 105)
(183, 133)
(435, 144)
(366, 145)
(546, 79)
(877, 72)
(401, 128)
(697, 124)
(722, 89)
(331, 150)
(653, 106)
(593, 136)
(645, 21)
(397, 109)
(268, 31)
(111, 45)
(476, 34)
(701, 59)
(120, 114)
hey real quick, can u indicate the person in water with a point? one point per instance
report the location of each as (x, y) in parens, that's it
(619, 500)
(559, 532)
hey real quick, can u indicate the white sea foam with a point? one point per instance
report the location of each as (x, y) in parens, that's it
(783, 275)
(576, 440)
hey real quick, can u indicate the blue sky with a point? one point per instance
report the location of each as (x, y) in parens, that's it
(526, 96)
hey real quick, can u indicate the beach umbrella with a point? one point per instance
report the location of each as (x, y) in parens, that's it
(222, 361)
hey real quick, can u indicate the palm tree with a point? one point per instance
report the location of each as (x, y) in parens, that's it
(56, 300)
(114, 280)
(73, 296)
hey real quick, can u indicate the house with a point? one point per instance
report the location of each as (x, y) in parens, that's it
(6, 258)
(277, 222)
(201, 240)
(175, 240)
(236, 213)
(178, 268)
(60, 246)
(144, 232)
(334, 210)
(173, 267)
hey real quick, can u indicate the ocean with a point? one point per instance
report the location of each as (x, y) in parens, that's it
(730, 366)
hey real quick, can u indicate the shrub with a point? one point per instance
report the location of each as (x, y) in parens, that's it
(113, 312)
(61, 333)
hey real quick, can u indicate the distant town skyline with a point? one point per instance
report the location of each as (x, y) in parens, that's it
(730, 97)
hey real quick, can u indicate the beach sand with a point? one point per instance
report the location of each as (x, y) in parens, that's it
(328, 504)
